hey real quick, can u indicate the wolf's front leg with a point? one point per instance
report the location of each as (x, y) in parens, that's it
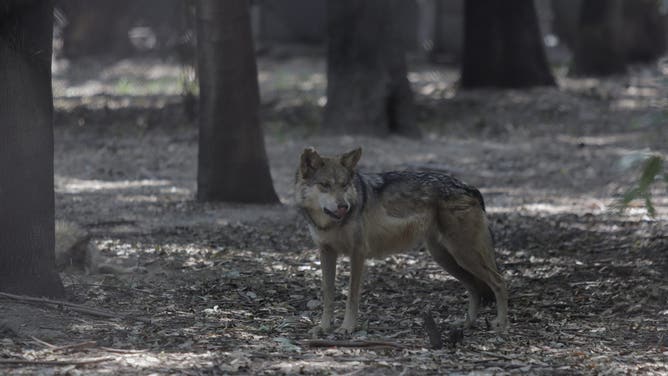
(352, 304)
(328, 268)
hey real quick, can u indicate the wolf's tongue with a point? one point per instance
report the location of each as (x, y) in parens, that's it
(341, 212)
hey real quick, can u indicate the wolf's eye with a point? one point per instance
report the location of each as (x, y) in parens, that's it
(324, 185)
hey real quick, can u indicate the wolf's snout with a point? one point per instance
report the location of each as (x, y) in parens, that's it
(342, 210)
(338, 213)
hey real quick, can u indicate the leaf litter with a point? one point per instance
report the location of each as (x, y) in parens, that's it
(233, 289)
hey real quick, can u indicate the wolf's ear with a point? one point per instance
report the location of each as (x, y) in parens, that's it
(310, 161)
(349, 160)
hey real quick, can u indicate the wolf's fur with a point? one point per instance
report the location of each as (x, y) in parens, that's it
(374, 215)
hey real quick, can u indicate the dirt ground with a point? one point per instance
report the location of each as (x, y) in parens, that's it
(234, 289)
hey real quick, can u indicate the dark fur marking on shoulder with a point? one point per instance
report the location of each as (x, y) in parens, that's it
(364, 193)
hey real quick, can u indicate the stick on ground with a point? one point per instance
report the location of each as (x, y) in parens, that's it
(74, 307)
(55, 362)
(333, 343)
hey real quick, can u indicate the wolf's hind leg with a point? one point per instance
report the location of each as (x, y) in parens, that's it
(472, 285)
(467, 238)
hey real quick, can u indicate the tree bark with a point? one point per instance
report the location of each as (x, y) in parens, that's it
(599, 50)
(503, 46)
(96, 27)
(232, 163)
(644, 30)
(565, 20)
(27, 229)
(367, 86)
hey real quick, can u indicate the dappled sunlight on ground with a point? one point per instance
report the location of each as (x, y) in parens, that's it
(233, 289)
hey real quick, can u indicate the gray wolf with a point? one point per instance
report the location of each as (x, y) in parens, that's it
(363, 216)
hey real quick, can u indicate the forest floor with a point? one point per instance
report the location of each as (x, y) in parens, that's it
(234, 289)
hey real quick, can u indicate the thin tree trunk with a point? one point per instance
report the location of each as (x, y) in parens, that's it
(27, 261)
(232, 161)
(503, 46)
(367, 86)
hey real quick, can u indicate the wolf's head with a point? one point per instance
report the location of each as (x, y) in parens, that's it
(325, 187)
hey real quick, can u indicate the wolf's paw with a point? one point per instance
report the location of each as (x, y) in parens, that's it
(345, 330)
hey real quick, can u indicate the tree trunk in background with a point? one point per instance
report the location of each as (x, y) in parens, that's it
(565, 21)
(644, 30)
(27, 261)
(367, 86)
(104, 27)
(232, 163)
(503, 46)
(599, 50)
(95, 27)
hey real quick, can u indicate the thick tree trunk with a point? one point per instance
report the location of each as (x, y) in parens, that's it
(27, 262)
(503, 46)
(367, 86)
(644, 30)
(599, 50)
(233, 163)
(565, 21)
(96, 27)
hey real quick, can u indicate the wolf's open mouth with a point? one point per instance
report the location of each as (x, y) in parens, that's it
(332, 214)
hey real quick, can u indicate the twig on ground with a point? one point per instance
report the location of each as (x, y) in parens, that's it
(495, 355)
(79, 345)
(53, 347)
(86, 344)
(72, 306)
(44, 343)
(334, 343)
(55, 362)
(122, 351)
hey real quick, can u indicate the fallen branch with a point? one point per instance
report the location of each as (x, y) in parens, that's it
(86, 344)
(74, 307)
(333, 343)
(55, 362)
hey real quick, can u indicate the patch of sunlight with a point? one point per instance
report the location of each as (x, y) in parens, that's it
(138, 198)
(642, 91)
(316, 365)
(628, 104)
(73, 185)
(162, 360)
(594, 140)
(592, 206)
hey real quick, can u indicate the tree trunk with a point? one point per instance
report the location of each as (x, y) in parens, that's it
(565, 20)
(644, 30)
(599, 50)
(233, 163)
(503, 46)
(27, 261)
(96, 27)
(367, 87)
